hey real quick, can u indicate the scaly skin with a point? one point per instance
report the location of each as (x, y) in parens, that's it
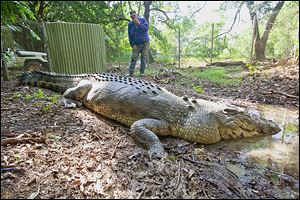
(150, 110)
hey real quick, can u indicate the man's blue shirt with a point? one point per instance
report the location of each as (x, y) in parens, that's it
(138, 34)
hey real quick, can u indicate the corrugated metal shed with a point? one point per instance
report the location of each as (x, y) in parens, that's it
(75, 47)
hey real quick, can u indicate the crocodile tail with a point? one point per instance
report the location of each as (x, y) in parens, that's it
(49, 80)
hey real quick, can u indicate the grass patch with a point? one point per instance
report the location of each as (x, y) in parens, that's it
(220, 75)
(28, 97)
(198, 88)
(291, 128)
(16, 95)
(39, 94)
(251, 68)
(54, 98)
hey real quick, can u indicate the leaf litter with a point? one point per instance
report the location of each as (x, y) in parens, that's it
(85, 155)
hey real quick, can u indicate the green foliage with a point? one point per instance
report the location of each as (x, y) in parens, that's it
(16, 95)
(28, 97)
(195, 39)
(199, 44)
(174, 157)
(46, 108)
(240, 44)
(54, 98)
(291, 128)
(219, 76)
(43, 106)
(284, 36)
(251, 68)
(39, 94)
(198, 88)
(13, 11)
(7, 57)
(40, 103)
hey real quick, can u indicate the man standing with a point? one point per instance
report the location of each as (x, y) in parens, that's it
(139, 41)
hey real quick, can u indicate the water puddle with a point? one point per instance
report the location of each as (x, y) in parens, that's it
(279, 152)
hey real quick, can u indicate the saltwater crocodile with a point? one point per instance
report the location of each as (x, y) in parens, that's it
(150, 110)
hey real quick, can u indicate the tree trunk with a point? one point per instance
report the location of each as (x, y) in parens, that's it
(259, 44)
(295, 57)
(147, 5)
(212, 42)
(3, 66)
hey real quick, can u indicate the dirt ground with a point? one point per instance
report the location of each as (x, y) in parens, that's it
(75, 153)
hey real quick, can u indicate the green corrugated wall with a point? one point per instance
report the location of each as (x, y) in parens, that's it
(75, 47)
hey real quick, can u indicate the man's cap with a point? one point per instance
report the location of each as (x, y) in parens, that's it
(132, 13)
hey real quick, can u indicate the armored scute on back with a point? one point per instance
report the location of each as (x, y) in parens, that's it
(151, 110)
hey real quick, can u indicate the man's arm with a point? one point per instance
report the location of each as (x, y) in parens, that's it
(130, 35)
(141, 23)
(144, 24)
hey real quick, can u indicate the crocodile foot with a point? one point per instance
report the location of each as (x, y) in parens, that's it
(69, 103)
(157, 151)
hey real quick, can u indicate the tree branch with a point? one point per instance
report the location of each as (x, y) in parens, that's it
(157, 9)
(129, 4)
(197, 11)
(234, 20)
(114, 17)
(271, 21)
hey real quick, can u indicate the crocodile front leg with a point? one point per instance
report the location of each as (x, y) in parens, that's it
(143, 132)
(72, 96)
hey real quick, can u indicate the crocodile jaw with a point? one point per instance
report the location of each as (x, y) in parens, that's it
(245, 126)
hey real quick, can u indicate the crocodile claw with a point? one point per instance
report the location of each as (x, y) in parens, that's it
(157, 152)
(68, 103)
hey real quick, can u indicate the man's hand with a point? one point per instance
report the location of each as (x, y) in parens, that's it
(135, 47)
(135, 20)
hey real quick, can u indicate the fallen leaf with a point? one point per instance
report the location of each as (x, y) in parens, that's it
(34, 194)
(21, 135)
(76, 182)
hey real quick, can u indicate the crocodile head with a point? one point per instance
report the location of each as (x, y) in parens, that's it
(238, 124)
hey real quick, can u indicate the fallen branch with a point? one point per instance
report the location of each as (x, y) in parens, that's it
(288, 95)
(142, 192)
(207, 197)
(5, 133)
(22, 140)
(282, 93)
(8, 166)
(179, 175)
(35, 194)
(196, 161)
(113, 153)
(11, 169)
(227, 63)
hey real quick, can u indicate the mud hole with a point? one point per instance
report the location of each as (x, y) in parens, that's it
(83, 155)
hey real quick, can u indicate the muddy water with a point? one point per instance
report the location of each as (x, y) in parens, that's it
(279, 152)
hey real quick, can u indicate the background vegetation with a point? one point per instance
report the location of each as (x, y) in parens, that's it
(165, 22)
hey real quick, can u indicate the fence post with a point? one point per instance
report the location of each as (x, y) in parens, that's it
(212, 42)
(179, 52)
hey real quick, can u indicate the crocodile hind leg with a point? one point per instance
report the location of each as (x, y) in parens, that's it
(72, 96)
(143, 132)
